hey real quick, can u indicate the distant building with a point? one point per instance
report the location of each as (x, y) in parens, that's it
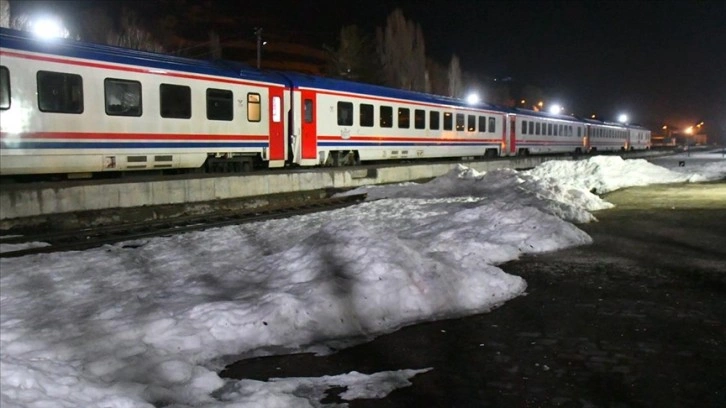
(662, 140)
(683, 139)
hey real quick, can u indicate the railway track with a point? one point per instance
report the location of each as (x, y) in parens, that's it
(94, 237)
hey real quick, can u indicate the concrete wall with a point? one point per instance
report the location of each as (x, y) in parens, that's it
(21, 201)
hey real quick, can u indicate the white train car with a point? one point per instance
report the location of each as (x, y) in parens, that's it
(605, 136)
(638, 138)
(71, 107)
(338, 122)
(541, 133)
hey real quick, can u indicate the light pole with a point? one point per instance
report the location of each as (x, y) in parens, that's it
(258, 33)
(689, 132)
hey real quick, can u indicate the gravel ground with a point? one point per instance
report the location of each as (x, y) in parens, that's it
(634, 320)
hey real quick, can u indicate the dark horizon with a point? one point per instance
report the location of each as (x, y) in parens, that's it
(659, 62)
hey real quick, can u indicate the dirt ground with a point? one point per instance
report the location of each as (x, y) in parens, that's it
(634, 320)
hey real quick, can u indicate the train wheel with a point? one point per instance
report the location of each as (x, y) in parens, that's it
(351, 158)
(333, 159)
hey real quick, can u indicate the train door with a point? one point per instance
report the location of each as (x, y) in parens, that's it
(309, 132)
(587, 138)
(277, 128)
(512, 135)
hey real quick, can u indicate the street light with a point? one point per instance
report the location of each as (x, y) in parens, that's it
(556, 109)
(623, 118)
(473, 98)
(260, 43)
(48, 28)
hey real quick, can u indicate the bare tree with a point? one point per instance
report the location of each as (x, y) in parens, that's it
(354, 59)
(531, 95)
(215, 47)
(132, 35)
(455, 77)
(402, 52)
(438, 77)
(5, 13)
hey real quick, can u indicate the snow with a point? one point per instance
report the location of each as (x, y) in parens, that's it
(151, 322)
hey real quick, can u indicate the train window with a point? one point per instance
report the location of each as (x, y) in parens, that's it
(419, 119)
(404, 118)
(482, 124)
(276, 109)
(59, 92)
(219, 104)
(123, 98)
(254, 107)
(471, 123)
(562, 131)
(579, 132)
(386, 119)
(4, 88)
(459, 121)
(549, 129)
(524, 127)
(537, 129)
(492, 125)
(308, 110)
(176, 101)
(448, 121)
(531, 127)
(366, 115)
(555, 130)
(434, 120)
(345, 114)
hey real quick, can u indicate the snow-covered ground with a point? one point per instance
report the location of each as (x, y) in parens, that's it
(151, 322)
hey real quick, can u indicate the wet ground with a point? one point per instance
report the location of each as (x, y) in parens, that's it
(635, 320)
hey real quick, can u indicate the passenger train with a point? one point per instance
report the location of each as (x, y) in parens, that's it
(68, 107)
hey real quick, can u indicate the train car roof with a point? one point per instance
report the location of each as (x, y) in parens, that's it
(21, 40)
(299, 80)
(548, 115)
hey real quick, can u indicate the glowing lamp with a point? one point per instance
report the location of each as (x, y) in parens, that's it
(48, 28)
(556, 109)
(473, 99)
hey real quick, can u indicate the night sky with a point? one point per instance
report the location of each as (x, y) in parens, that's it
(662, 62)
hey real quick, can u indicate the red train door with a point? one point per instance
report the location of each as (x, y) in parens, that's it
(513, 135)
(309, 142)
(277, 128)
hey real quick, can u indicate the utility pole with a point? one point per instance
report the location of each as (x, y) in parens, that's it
(258, 33)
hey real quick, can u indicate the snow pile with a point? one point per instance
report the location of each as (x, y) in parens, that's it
(151, 322)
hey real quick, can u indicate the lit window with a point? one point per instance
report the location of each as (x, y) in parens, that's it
(254, 107)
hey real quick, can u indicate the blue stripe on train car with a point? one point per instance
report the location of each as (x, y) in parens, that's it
(129, 145)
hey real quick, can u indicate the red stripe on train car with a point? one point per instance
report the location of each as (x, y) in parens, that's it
(131, 136)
